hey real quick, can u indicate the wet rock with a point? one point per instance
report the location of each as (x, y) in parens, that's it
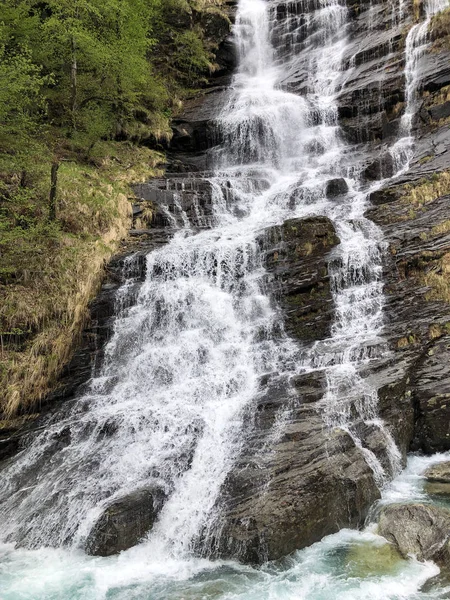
(439, 473)
(380, 168)
(432, 390)
(438, 480)
(438, 491)
(335, 188)
(419, 529)
(383, 196)
(296, 258)
(441, 111)
(435, 70)
(309, 483)
(417, 367)
(288, 490)
(124, 523)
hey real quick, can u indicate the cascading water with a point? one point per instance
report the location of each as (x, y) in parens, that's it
(185, 360)
(416, 45)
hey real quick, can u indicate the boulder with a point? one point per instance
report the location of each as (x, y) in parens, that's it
(296, 258)
(336, 187)
(380, 168)
(124, 523)
(419, 529)
(438, 480)
(309, 483)
(439, 473)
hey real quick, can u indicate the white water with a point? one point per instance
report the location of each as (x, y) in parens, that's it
(417, 42)
(340, 567)
(184, 363)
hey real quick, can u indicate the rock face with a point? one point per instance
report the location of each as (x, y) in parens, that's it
(419, 529)
(123, 524)
(380, 168)
(412, 213)
(288, 491)
(297, 262)
(274, 502)
(194, 131)
(310, 483)
(417, 307)
(439, 473)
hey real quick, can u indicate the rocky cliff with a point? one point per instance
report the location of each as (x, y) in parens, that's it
(288, 493)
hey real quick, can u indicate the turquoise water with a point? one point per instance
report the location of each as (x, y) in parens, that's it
(324, 571)
(349, 565)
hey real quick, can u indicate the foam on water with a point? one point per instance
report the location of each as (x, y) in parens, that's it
(327, 570)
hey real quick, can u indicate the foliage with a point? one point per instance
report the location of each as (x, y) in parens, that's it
(89, 86)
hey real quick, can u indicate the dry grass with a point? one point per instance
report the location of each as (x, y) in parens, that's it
(48, 304)
(406, 341)
(435, 331)
(443, 95)
(440, 31)
(438, 280)
(427, 190)
(443, 227)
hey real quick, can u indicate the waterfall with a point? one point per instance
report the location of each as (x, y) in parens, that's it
(416, 44)
(185, 361)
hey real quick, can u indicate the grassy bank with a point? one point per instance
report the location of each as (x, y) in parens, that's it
(51, 269)
(87, 93)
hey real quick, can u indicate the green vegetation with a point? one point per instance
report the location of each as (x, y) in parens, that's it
(87, 91)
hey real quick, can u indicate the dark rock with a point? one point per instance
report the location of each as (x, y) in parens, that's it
(296, 259)
(395, 403)
(308, 484)
(336, 187)
(432, 390)
(442, 111)
(124, 523)
(383, 196)
(419, 529)
(417, 369)
(380, 168)
(215, 24)
(226, 58)
(195, 130)
(309, 481)
(435, 70)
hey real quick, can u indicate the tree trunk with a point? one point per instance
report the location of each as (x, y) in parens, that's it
(73, 83)
(53, 187)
